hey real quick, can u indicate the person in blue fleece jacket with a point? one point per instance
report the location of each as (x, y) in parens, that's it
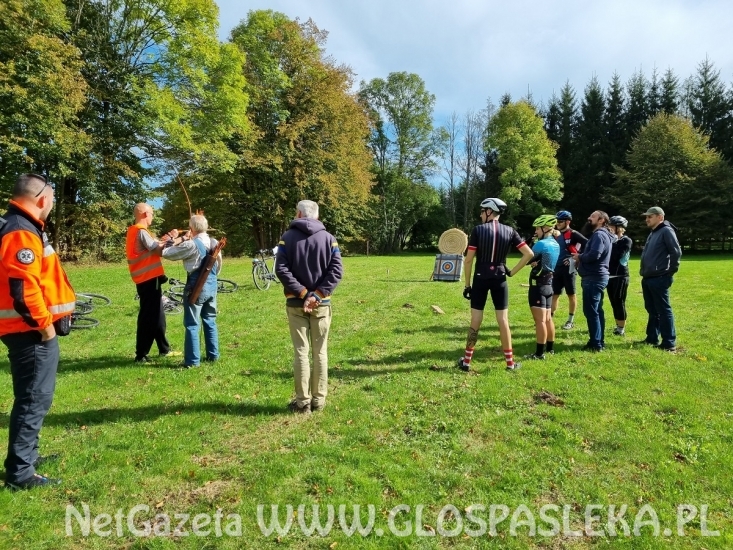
(308, 265)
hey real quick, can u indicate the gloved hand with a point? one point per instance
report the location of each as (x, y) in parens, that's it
(467, 293)
(509, 273)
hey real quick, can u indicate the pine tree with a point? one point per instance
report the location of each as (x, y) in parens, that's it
(552, 118)
(670, 100)
(615, 122)
(637, 112)
(567, 132)
(583, 194)
(710, 107)
(615, 130)
(654, 98)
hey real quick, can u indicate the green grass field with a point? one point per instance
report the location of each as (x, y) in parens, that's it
(633, 427)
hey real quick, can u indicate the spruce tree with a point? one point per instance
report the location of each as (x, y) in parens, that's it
(710, 107)
(552, 118)
(670, 100)
(637, 112)
(614, 121)
(654, 99)
(566, 134)
(590, 152)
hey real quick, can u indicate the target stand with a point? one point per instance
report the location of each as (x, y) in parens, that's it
(448, 267)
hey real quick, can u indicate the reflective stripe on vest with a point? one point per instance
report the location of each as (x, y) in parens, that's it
(145, 265)
(54, 310)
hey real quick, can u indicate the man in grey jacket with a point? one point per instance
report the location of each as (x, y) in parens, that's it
(660, 260)
(309, 267)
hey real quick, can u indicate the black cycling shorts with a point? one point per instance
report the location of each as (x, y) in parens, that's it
(499, 293)
(563, 280)
(540, 296)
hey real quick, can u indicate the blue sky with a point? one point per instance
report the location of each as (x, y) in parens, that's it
(469, 50)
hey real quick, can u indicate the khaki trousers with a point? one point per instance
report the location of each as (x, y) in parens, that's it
(310, 330)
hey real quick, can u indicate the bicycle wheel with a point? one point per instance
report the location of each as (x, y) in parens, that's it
(225, 285)
(172, 308)
(259, 276)
(83, 322)
(176, 292)
(83, 308)
(94, 299)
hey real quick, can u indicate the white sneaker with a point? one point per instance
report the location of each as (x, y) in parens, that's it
(569, 325)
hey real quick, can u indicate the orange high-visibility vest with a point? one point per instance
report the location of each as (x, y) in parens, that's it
(34, 289)
(143, 265)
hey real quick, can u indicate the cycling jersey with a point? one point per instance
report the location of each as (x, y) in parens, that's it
(570, 242)
(546, 253)
(492, 242)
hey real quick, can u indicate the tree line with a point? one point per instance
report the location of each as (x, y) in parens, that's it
(651, 141)
(121, 101)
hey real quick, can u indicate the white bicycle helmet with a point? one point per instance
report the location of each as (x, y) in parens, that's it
(497, 205)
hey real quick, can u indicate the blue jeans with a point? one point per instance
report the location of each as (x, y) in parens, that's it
(657, 305)
(593, 310)
(191, 346)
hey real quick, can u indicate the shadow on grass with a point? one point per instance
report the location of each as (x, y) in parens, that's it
(397, 363)
(488, 331)
(151, 412)
(403, 280)
(117, 362)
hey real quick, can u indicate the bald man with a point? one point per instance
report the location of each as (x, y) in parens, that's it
(143, 260)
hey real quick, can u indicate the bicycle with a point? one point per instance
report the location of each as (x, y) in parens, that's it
(93, 299)
(262, 274)
(81, 321)
(85, 302)
(173, 297)
(225, 285)
(222, 286)
(171, 306)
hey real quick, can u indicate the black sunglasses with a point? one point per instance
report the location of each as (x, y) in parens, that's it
(44, 180)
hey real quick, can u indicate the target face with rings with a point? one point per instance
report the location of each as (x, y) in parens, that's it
(448, 267)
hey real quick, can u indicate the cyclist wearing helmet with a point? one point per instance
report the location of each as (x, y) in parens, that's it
(570, 242)
(546, 251)
(618, 282)
(490, 243)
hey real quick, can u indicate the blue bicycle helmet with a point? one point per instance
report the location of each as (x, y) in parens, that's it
(563, 215)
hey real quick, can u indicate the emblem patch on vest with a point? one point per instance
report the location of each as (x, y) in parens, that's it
(26, 256)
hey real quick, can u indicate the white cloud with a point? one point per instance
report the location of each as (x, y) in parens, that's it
(469, 50)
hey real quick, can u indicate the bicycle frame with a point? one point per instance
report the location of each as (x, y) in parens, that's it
(263, 259)
(262, 273)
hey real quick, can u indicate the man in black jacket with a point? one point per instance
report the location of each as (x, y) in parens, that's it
(660, 260)
(309, 267)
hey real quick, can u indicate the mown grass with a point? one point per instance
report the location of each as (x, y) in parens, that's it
(636, 425)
